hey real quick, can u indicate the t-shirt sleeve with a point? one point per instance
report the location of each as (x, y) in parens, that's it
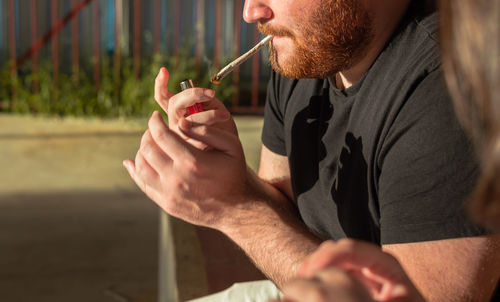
(273, 129)
(428, 169)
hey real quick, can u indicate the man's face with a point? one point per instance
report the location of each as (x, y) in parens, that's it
(313, 38)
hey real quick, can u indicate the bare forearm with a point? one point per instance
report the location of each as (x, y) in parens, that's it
(272, 234)
(459, 269)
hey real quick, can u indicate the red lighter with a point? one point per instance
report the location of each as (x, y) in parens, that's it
(193, 108)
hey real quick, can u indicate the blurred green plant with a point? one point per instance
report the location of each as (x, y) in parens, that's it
(123, 96)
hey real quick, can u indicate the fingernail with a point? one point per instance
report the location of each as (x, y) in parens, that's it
(210, 93)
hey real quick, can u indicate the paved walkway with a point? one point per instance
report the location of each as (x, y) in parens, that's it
(73, 226)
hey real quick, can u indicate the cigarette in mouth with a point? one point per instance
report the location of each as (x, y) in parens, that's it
(231, 66)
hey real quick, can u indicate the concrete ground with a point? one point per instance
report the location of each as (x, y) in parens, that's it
(74, 227)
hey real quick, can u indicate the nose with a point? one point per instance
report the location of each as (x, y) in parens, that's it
(256, 11)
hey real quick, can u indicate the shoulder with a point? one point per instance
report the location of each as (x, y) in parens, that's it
(413, 50)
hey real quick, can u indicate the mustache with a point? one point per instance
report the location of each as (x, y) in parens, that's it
(279, 31)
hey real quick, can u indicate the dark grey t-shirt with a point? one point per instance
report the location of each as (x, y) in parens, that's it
(385, 160)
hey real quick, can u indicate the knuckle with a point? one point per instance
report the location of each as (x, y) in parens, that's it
(175, 107)
(203, 130)
(173, 101)
(146, 150)
(176, 185)
(159, 136)
(191, 166)
(196, 93)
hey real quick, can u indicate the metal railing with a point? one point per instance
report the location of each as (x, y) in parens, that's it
(71, 32)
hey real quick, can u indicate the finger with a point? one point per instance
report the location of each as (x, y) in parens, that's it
(213, 137)
(189, 97)
(340, 284)
(162, 95)
(340, 278)
(143, 170)
(153, 154)
(169, 142)
(144, 138)
(147, 186)
(209, 117)
(369, 256)
(130, 167)
(384, 289)
(321, 258)
(214, 103)
(132, 171)
(303, 290)
(350, 254)
(373, 285)
(380, 272)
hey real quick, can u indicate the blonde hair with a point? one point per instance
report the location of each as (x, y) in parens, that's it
(470, 41)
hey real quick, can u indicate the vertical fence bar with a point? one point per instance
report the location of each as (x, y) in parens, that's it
(157, 25)
(217, 45)
(13, 55)
(76, 46)
(34, 38)
(116, 55)
(237, 50)
(55, 42)
(97, 45)
(177, 29)
(255, 73)
(200, 20)
(137, 38)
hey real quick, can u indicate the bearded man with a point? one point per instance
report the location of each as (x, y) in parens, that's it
(360, 140)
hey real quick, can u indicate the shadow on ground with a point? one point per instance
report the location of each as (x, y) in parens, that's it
(78, 246)
(74, 227)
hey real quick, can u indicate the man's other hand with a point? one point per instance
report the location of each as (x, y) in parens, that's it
(203, 187)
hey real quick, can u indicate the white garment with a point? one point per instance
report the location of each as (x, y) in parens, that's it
(253, 291)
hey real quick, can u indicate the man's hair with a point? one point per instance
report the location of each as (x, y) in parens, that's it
(470, 41)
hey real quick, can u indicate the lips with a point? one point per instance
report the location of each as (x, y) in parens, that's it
(278, 40)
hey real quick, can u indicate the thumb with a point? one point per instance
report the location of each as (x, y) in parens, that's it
(162, 95)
